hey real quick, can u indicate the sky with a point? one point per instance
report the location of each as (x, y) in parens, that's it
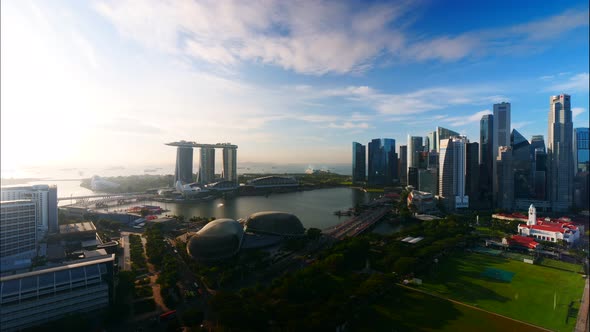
(109, 82)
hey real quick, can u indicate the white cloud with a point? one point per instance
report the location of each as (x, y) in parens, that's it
(312, 37)
(577, 111)
(463, 120)
(349, 125)
(576, 83)
(521, 124)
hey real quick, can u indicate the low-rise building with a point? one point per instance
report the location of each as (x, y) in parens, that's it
(549, 230)
(423, 201)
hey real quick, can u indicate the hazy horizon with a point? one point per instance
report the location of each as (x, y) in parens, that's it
(109, 82)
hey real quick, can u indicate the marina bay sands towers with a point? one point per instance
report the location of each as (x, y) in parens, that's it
(184, 162)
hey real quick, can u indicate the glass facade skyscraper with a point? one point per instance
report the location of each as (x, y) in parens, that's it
(486, 158)
(382, 162)
(581, 155)
(522, 164)
(359, 166)
(500, 137)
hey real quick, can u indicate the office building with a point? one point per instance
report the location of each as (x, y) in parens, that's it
(522, 166)
(426, 144)
(452, 172)
(414, 148)
(41, 195)
(540, 178)
(33, 298)
(504, 178)
(560, 153)
(486, 156)
(581, 169)
(427, 180)
(443, 134)
(382, 160)
(207, 166)
(500, 137)
(18, 234)
(184, 165)
(581, 151)
(472, 174)
(413, 177)
(403, 164)
(359, 167)
(432, 141)
(423, 201)
(230, 164)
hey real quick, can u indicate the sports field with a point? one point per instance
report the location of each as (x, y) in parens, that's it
(410, 310)
(539, 295)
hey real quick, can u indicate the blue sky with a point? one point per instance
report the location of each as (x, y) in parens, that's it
(108, 82)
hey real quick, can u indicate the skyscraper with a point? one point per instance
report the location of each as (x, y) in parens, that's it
(505, 178)
(414, 148)
(443, 134)
(413, 176)
(472, 173)
(382, 159)
(432, 141)
(522, 164)
(560, 153)
(426, 144)
(452, 172)
(230, 167)
(207, 165)
(403, 164)
(359, 155)
(581, 150)
(184, 165)
(486, 157)
(500, 136)
(581, 168)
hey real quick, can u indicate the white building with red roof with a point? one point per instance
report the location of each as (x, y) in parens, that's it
(545, 229)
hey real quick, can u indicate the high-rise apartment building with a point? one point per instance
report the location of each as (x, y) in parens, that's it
(207, 166)
(359, 167)
(560, 153)
(500, 136)
(230, 164)
(403, 164)
(44, 197)
(505, 178)
(382, 162)
(452, 172)
(18, 234)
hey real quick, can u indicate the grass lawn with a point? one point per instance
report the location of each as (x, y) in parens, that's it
(407, 310)
(536, 294)
(561, 265)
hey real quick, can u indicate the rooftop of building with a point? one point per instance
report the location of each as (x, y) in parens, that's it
(524, 241)
(201, 145)
(86, 226)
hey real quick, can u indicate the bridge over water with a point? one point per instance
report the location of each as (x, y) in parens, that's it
(358, 224)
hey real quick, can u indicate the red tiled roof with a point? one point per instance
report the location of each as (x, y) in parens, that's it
(524, 241)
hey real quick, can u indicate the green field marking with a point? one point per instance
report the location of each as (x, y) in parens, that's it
(536, 294)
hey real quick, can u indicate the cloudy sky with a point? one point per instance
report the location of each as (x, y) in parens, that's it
(108, 82)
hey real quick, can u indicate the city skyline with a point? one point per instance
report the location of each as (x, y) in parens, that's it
(285, 88)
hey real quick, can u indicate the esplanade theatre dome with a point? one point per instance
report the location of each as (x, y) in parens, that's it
(219, 239)
(275, 223)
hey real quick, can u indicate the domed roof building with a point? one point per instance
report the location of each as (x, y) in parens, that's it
(275, 223)
(219, 239)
